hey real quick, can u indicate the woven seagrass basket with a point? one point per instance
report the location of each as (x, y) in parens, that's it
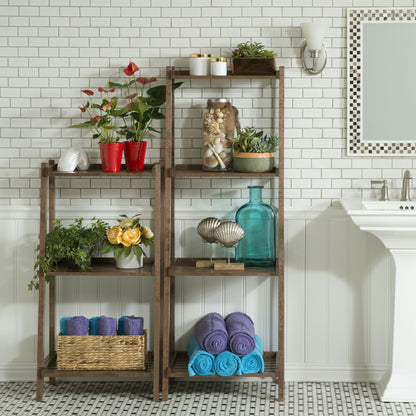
(96, 352)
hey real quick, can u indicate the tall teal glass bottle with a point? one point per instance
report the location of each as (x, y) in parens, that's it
(258, 247)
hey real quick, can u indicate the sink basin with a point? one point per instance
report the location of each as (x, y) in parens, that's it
(389, 205)
(394, 223)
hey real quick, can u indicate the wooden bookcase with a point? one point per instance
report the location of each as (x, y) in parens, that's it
(174, 363)
(46, 366)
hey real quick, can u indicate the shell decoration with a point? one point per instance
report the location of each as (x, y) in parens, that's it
(207, 227)
(228, 234)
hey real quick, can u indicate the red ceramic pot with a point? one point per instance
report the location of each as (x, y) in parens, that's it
(134, 153)
(111, 154)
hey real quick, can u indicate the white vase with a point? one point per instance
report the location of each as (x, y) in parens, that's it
(129, 262)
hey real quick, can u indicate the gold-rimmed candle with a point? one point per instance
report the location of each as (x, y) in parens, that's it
(199, 64)
(219, 66)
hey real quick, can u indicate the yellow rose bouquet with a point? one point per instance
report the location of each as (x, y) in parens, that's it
(127, 237)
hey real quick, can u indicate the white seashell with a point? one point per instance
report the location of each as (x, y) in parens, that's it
(73, 158)
(217, 140)
(207, 227)
(220, 120)
(208, 153)
(226, 149)
(218, 147)
(228, 234)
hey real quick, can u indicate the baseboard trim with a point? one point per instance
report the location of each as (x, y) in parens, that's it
(323, 373)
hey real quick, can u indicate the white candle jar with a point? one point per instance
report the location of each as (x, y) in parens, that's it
(219, 66)
(199, 64)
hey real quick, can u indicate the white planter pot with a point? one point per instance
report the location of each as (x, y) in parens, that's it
(129, 262)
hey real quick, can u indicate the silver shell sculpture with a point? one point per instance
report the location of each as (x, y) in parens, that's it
(228, 234)
(207, 227)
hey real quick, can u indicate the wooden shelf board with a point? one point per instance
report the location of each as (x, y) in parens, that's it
(50, 370)
(185, 170)
(185, 75)
(106, 267)
(97, 170)
(179, 367)
(187, 267)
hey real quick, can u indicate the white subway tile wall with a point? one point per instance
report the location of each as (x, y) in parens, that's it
(51, 49)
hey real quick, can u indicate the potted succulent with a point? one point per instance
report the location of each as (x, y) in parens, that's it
(75, 244)
(102, 124)
(254, 151)
(251, 58)
(144, 106)
(125, 240)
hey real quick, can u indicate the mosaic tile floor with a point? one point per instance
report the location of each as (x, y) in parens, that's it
(251, 398)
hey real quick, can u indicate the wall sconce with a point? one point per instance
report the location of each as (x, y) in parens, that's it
(314, 34)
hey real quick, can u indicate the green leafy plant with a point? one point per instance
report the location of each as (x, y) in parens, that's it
(252, 50)
(249, 140)
(103, 117)
(127, 236)
(76, 243)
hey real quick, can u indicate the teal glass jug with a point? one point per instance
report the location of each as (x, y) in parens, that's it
(258, 246)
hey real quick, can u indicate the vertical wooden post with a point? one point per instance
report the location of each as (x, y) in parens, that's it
(167, 323)
(281, 251)
(41, 302)
(52, 283)
(157, 273)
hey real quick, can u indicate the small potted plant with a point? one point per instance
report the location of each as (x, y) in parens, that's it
(144, 106)
(102, 124)
(75, 244)
(251, 58)
(126, 239)
(254, 151)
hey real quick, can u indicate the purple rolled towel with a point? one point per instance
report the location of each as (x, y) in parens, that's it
(78, 325)
(241, 334)
(211, 333)
(107, 326)
(133, 325)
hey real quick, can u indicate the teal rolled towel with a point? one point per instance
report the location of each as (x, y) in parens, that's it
(200, 361)
(120, 330)
(253, 362)
(94, 325)
(63, 324)
(227, 364)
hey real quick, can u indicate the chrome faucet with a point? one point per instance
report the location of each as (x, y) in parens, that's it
(406, 186)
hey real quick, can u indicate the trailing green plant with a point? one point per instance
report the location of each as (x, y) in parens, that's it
(252, 50)
(249, 140)
(75, 243)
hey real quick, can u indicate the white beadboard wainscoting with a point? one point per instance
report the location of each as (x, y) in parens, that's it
(337, 283)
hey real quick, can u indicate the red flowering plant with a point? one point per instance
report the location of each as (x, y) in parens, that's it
(103, 117)
(144, 105)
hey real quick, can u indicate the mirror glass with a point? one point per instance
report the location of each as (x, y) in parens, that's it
(381, 82)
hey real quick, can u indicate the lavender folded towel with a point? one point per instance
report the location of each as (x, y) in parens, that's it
(211, 333)
(78, 325)
(133, 325)
(121, 324)
(107, 326)
(241, 335)
(63, 324)
(94, 325)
